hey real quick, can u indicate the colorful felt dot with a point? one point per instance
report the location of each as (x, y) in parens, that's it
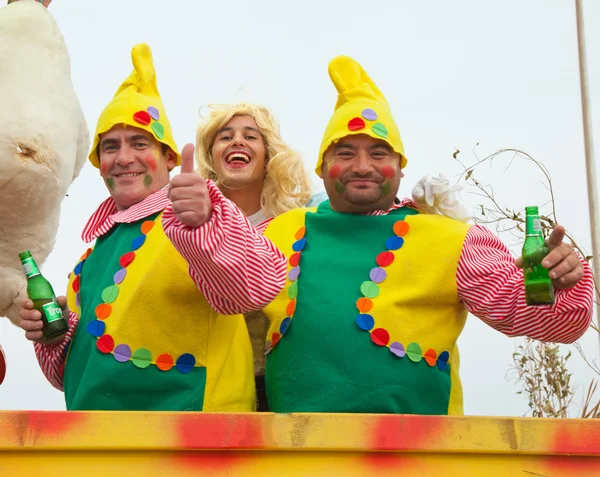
(385, 259)
(293, 274)
(380, 337)
(185, 363)
(369, 114)
(293, 291)
(394, 242)
(153, 112)
(126, 259)
(119, 276)
(300, 234)
(142, 358)
(299, 245)
(364, 305)
(96, 327)
(165, 362)
(430, 357)
(142, 117)
(414, 353)
(401, 228)
(285, 324)
(369, 289)
(105, 344)
(380, 130)
(290, 308)
(76, 283)
(138, 242)
(397, 349)
(442, 360)
(356, 124)
(122, 353)
(110, 294)
(275, 337)
(365, 322)
(158, 129)
(103, 311)
(88, 252)
(147, 226)
(78, 267)
(295, 259)
(377, 275)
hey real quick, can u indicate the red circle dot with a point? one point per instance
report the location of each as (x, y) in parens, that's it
(380, 337)
(105, 344)
(385, 259)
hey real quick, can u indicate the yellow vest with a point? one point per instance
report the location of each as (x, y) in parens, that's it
(417, 302)
(160, 309)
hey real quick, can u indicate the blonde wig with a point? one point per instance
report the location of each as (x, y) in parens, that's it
(286, 184)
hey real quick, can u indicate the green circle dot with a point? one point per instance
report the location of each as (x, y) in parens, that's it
(369, 289)
(414, 352)
(380, 130)
(158, 129)
(110, 294)
(293, 290)
(142, 358)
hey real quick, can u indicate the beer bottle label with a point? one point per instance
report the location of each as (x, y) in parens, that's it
(537, 225)
(30, 268)
(52, 311)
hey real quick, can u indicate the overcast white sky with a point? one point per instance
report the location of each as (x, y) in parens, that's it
(498, 73)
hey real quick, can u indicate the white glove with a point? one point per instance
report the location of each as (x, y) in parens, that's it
(436, 195)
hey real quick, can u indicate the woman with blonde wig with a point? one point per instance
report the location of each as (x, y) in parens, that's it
(240, 148)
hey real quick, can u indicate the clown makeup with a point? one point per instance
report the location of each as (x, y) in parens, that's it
(131, 164)
(361, 174)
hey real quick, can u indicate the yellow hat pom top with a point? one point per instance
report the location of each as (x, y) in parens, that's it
(137, 103)
(361, 108)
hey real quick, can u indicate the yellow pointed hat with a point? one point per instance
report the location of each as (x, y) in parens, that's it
(361, 109)
(137, 103)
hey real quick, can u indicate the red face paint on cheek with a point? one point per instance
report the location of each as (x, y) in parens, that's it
(334, 171)
(151, 162)
(103, 168)
(388, 172)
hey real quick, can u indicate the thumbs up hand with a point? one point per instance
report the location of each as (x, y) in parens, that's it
(188, 192)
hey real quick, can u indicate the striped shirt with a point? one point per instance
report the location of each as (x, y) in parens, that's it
(488, 283)
(236, 268)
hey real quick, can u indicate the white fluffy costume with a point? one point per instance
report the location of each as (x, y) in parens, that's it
(44, 140)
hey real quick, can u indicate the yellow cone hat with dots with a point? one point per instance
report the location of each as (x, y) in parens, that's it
(361, 109)
(137, 103)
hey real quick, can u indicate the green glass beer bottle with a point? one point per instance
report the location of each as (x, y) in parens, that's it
(40, 292)
(539, 289)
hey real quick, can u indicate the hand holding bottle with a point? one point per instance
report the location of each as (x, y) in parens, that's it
(32, 324)
(563, 263)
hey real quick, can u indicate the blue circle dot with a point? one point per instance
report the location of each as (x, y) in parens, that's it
(299, 245)
(185, 363)
(365, 322)
(285, 324)
(138, 242)
(442, 360)
(96, 328)
(394, 243)
(78, 268)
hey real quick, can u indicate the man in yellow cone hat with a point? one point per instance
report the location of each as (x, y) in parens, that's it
(146, 325)
(377, 293)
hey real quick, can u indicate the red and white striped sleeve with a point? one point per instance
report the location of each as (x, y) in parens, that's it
(233, 265)
(52, 357)
(491, 287)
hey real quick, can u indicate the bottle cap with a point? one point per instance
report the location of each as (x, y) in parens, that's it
(532, 210)
(25, 254)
